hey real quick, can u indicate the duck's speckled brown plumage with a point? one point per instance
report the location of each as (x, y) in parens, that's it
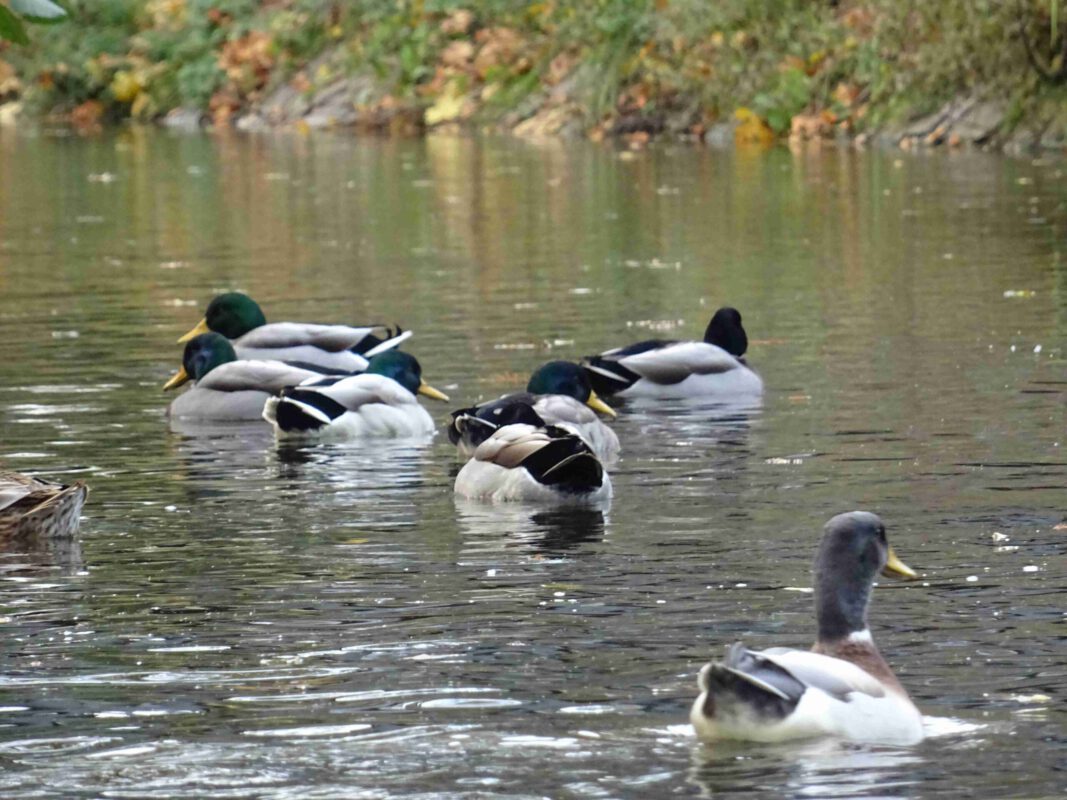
(33, 507)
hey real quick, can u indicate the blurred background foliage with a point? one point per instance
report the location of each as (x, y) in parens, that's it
(602, 66)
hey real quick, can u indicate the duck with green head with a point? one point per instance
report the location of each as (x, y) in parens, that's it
(561, 395)
(380, 402)
(338, 347)
(843, 686)
(225, 387)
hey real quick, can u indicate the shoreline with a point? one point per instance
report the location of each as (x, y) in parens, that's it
(756, 73)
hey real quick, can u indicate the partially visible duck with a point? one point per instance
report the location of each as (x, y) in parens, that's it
(227, 388)
(841, 687)
(35, 507)
(656, 368)
(339, 347)
(560, 394)
(526, 460)
(380, 402)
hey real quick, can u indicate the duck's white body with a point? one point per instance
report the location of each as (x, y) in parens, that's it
(679, 370)
(237, 390)
(326, 346)
(496, 472)
(374, 406)
(838, 699)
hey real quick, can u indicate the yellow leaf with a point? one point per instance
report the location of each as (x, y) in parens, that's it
(449, 106)
(751, 129)
(125, 86)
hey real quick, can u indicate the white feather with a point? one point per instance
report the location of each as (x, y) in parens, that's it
(376, 406)
(487, 481)
(255, 375)
(333, 338)
(689, 369)
(343, 360)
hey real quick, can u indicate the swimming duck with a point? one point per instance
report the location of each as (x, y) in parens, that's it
(379, 402)
(227, 388)
(842, 686)
(524, 459)
(35, 507)
(339, 347)
(560, 394)
(662, 369)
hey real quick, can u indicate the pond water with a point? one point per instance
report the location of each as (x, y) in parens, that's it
(237, 620)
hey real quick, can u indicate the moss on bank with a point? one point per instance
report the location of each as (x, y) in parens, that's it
(633, 68)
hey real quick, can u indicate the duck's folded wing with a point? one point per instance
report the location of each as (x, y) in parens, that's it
(359, 390)
(14, 487)
(834, 676)
(675, 362)
(512, 444)
(262, 376)
(333, 338)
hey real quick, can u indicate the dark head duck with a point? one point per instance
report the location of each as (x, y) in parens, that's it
(853, 552)
(725, 331)
(563, 377)
(405, 370)
(232, 314)
(202, 354)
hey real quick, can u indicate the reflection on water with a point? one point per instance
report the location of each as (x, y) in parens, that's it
(534, 528)
(246, 619)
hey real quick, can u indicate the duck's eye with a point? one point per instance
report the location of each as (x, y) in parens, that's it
(881, 534)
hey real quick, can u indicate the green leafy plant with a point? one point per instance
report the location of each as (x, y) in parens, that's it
(17, 12)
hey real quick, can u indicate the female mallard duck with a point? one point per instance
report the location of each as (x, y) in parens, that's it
(33, 507)
(380, 402)
(524, 459)
(661, 369)
(842, 686)
(339, 347)
(560, 394)
(227, 388)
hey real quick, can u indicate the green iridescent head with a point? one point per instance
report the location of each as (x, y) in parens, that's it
(232, 314)
(202, 354)
(405, 370)
(563, 377)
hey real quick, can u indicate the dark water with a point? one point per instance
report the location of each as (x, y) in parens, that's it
(242, 622)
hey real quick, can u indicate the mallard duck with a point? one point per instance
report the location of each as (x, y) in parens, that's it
(380, 402)
(226, 387)
(527, 460)
(656, 368)
(339, 347)
(34, 507)
(842, 686)
(560, 394)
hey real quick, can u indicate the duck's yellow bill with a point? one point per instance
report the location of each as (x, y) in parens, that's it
(201, 327)
(597, 404)
(429, 391)
(180, 377)
(894, 567)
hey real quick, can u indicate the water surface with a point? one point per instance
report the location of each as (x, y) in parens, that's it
(242, 621)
